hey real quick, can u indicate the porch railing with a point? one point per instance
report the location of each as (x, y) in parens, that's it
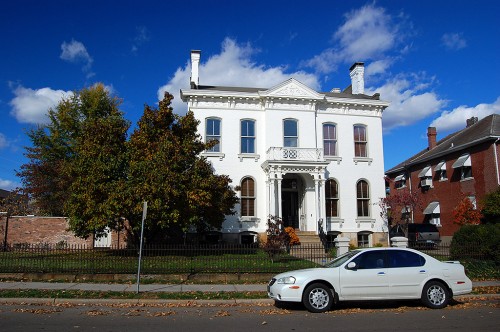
(292, 154)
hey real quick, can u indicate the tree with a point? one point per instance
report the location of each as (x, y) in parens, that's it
(491, 207)
(465, 213)
(77, 162)
(167, 171)
(98, 166)
(397, 208)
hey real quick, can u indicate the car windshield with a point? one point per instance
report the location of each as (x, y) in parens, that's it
(342, 259)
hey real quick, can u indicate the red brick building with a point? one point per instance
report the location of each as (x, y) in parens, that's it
(463, 164)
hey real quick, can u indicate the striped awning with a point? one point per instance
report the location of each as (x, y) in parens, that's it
(441, 166)
(425, 172)
(400, 177)
(433, 207)
(464, 160)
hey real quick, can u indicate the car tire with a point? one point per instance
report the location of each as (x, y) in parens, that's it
(435, 295)
(318, 298)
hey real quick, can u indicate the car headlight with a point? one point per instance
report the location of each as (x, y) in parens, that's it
(286, 280)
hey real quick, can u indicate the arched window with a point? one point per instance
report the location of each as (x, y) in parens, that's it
(332, 198)
(247, 136)
(247, 197)
(290, 133)
(363, 198)
(330, 139)
(360, 141)
(212, 132)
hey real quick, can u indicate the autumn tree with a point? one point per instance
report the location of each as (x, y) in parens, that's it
(77, 161)
(397, 208)
(166, 170)
(465, 213)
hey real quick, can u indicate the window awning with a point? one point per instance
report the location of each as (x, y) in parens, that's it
(406, 209)
(441, 166)
(464, 160)
(400, 177)
(433, 207)
(425, 172)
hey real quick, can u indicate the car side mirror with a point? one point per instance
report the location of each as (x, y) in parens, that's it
(351, 266)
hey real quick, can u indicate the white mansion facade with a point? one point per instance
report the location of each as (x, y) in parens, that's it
(315, 159)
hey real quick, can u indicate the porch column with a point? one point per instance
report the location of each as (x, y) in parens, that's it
(280, 212)
(268, 196)
(317, 200)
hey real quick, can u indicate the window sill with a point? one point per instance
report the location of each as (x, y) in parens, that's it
(365, 220)
(214, 155)
(249, 156)
(402, 187)
(362, 160)
(467, 179)
(333, 158)
(333, 220)
(249, 219)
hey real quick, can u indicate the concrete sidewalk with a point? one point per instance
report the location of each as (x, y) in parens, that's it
(170, 288)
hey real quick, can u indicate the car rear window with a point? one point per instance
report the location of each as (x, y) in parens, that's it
(401, 258)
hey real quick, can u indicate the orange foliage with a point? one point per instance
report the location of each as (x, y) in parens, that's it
(294, 239)
(466, 214)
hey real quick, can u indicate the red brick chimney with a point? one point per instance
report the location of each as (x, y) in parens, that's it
(431, 137)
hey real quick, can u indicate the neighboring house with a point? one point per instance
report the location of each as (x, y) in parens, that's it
(315, 159)
(463, 164)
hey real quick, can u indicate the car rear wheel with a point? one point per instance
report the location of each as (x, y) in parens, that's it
(435, 295)
(318, 298)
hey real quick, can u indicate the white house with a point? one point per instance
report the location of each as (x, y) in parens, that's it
(315, 159)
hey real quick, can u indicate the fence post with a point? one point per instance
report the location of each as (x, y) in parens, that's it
(342, 245)
(399, 241)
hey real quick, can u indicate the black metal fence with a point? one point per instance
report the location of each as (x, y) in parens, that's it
(188, 259)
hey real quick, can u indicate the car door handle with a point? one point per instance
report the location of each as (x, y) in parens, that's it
(423, 271)
(381, 273)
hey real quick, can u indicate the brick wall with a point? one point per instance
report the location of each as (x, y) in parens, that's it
(51, 230)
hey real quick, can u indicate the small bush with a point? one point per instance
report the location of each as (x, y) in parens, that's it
(293, 238)
(485, 237)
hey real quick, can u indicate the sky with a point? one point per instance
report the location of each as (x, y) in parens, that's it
(436, 61)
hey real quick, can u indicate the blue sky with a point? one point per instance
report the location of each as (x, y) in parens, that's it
(435, 61)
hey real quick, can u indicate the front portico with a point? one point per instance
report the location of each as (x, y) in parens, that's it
(295, 180)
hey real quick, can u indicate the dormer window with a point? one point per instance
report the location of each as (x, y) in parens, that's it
(400, 181)
(441, 171)
(465, 165)
(425, 177)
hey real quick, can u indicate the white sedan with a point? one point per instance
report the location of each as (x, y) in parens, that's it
(373, 274)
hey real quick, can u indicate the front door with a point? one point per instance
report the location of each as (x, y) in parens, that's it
(290, 208)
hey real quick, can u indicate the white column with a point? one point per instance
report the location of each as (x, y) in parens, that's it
(268, 196)
(280, 212)
(316, 200)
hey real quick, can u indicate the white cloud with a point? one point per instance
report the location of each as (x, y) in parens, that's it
(76, 52)
(3, 141)
(233, 66)
(31, 106)
(456, 119)
(368, 33)
(8, 185)
(454, 41)
(410, 99)
(141, 37)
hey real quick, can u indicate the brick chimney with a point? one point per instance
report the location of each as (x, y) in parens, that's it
(471, 121)
(195, 63)
(357, 72)
(431, 137)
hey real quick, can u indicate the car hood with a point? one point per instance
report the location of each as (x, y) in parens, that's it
(298, 273)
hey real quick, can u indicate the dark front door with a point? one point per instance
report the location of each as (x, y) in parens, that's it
(290, 208)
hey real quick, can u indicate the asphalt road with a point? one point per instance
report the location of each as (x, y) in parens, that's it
(471, 315)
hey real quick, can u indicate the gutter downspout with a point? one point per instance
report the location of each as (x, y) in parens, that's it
(496, 160)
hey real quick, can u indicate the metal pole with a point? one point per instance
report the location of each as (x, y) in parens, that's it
(144, 212)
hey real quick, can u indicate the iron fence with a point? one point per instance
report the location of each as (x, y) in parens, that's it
(190, 259)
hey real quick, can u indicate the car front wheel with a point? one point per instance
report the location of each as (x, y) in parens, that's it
(318, 298)
(435, 295)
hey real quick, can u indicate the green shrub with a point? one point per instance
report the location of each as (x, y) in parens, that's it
(476, 242)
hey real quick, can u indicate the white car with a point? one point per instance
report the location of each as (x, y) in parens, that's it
(373, 274)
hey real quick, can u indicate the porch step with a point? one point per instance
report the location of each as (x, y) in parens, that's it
(308, 237)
